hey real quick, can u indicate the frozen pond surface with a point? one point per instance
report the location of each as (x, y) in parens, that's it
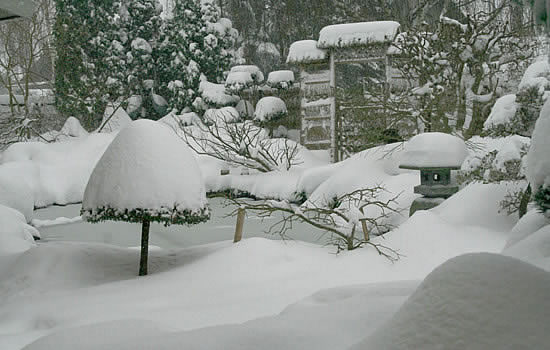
(219, 228)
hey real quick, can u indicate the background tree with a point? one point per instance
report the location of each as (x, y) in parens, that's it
(83, 33)
(195, 40)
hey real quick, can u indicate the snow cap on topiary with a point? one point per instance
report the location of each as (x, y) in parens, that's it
(269, 108)
(146, 173)
(434, 150)
(254, 71)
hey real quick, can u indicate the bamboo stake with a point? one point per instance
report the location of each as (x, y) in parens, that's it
(239, 226)
(365, 229)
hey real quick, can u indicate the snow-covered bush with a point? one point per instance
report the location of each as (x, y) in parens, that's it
(517, 114)
(254, 71)
(270, 108)
(501, 159)
(147, 174)
(214, 96)
(281, 79)
(538, 160)
(237, 82)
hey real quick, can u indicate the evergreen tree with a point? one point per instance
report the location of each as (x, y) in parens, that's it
(195, 41)
(140, 22)
(81, 32)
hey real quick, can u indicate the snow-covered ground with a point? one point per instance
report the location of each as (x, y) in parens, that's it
(77, 288)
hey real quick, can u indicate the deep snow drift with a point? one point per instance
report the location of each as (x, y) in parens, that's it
(475, 301)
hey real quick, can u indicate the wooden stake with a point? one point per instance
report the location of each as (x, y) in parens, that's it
(239, 226)
(144, 247)
(365, 230)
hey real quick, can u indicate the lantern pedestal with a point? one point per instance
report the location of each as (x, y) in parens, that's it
(424, 203)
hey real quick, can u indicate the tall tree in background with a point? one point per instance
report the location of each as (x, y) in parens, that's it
(194, 41)
(82, 32)
(140, 22)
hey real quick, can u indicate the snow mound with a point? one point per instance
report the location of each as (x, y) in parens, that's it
(56, 173)
(434, 150)
(531, 222)
(474, 301)
(308, 324)
(146, 167)
(478, 204)
(269, 107)
(73, 128)
(506, 148)
(176, 121)
(305, 51)
(536, 75)
(502, 112)
(114, 119)
(538, 159)
(15, 235)
(534, 248)
(254, 71)
(214, 94)
(362, 33)
(15, 192)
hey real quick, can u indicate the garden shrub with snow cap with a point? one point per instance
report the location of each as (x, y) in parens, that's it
(147, 174)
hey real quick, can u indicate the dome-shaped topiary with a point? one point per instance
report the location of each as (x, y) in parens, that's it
(147, 174)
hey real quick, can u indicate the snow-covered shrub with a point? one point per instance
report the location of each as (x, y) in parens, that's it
(281, 79)
(214, 95)
(270, 108)
(542, 199)
(147, 174)
(237, 82)
(498, 160)
(538, 159)
(254, 71)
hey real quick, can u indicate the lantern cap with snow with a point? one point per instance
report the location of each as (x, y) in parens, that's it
(435, 155)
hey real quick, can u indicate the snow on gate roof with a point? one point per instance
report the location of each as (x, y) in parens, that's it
(305, 51)
(350, 34)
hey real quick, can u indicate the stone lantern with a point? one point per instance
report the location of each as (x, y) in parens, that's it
(435, 155)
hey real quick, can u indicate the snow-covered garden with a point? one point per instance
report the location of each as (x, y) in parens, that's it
(122, 227)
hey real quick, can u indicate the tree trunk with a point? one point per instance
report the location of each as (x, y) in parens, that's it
(144, 247)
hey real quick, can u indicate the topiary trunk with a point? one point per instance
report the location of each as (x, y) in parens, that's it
(144, 247)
